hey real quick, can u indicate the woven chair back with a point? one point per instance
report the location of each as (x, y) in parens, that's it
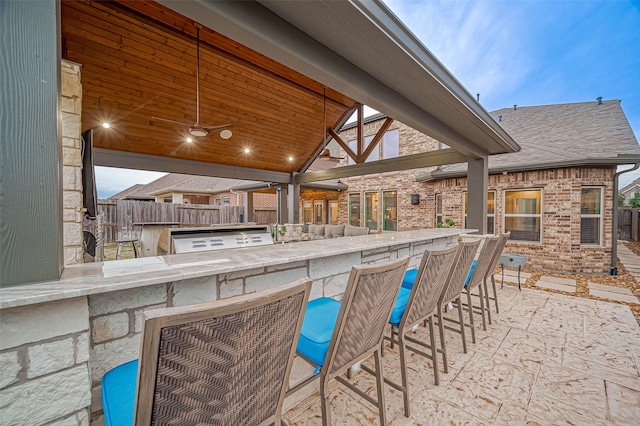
(220, 363)
(434, 272)
(485, 258)
(453, 290)
(499, 248)
(366, 308)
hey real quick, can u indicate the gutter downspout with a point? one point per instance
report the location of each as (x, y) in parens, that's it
(614, 231)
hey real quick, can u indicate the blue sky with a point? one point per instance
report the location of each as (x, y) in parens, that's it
(516, 52)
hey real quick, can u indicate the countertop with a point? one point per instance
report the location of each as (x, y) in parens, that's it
(101, 277)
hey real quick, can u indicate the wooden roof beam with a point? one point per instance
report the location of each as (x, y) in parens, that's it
(129, 160)
(407, 162)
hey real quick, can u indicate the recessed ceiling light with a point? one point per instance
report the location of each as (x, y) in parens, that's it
(290, 158)
(189, 140)
(226, 134)
(106, 125)
(246, 150)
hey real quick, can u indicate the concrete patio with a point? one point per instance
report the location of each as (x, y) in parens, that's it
(546, 359)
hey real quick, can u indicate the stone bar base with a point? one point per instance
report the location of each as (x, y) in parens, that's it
(54, 353)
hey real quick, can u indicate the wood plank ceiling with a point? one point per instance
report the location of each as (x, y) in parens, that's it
(139, 60)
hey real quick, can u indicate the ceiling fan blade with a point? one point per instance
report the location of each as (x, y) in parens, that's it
(171, 121)
(216, 127)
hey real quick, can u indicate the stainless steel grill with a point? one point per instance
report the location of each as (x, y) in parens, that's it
(190, 240)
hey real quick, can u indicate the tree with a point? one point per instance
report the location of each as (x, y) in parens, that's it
(621, 199)
(635, 200)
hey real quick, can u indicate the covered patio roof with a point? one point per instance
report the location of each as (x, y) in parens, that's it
(273, 70)
(281, 73)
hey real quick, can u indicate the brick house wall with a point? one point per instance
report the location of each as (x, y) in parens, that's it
(560, 248)
(404, 182)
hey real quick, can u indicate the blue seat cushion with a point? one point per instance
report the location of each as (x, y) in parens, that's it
(473, 266)
(119, 394)
(399, 306)
(409, 278)
(317, 329)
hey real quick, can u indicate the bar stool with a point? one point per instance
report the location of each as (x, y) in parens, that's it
(121, 241)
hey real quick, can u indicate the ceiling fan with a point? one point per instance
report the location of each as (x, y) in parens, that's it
(197, 129)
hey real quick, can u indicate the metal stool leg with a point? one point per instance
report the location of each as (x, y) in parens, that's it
(118, 250)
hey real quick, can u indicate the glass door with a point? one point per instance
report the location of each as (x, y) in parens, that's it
(318, 212)
(390, 209)
(371, 210)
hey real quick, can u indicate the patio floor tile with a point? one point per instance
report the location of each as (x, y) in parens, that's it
(556, 286)
(485, 383)
(609, 288)
(529, 350)
(547, 359)
(624, 404)
(568, 394)
(614, 296)
(558, 280)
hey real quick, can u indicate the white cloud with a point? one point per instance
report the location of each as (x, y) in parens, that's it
(482, 48)
(110, 180)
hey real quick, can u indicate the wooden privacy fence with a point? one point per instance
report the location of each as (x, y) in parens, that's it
(120, 216)
(628, 224)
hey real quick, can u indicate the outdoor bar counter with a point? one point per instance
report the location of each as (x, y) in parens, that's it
(58, 338)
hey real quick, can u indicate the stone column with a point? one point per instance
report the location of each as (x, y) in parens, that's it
(71, 106)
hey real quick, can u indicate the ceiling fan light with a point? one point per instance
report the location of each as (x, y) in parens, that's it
(226, 134)
(199, 133)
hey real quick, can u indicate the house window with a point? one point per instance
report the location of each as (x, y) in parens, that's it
(226, 201)
(491, 211)
(333, 212)
(391, 144)
(307, 212)
(217, 202)
(318, 208)
(353, 144)
(390, 209)
(438, 209)
(591, 216)
(371, 210)
(523, 214)
(354, 209)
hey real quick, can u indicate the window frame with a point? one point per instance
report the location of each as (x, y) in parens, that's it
(506, 215)
(438, 202)
(334, 205)
(349, 218)
(375, 209)
(307, 206)
(465, 200)
(323, 218)
(599, 216)
(384, 209)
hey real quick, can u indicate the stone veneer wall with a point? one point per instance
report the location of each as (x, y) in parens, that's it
(71, 105)
(44, 349)
(44, 364)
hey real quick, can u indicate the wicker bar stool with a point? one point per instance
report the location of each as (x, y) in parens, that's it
(220, 363)
(336, 335)
(432, 277)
